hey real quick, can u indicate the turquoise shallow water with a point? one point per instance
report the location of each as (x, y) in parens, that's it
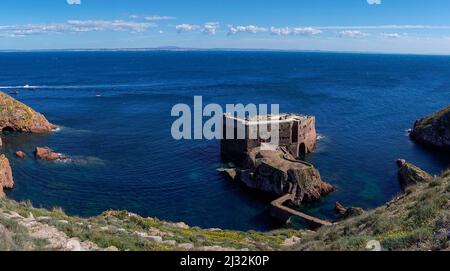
(114, 109)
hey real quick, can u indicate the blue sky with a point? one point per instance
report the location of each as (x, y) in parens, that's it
(397, 26)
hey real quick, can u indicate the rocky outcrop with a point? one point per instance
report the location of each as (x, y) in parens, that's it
(231, 173)
(20, 154)
(15, 116)
(279, 173)
(45, 153)
(339, 208)
(409, 174)
(348, 212)
(433, 130)
(6, 178)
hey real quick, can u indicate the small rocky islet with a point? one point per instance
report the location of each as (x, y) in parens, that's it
(433, 130)
(274, 168)
(418, 219)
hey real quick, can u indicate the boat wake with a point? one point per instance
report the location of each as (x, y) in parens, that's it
(68, 130)
(21, 87)
(98, 86)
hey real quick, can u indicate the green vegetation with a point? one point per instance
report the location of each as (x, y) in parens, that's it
(14, 236)
(419, 220)
(127, 231)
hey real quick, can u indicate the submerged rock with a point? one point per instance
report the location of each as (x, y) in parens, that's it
(433, 130)
(45, 153)
(409, 174)
(16, 116)
(20, 154)
(279, 173)
(6, 178)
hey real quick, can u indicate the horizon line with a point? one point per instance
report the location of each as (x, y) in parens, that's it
(176, 48)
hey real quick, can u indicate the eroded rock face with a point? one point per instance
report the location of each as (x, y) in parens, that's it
(433, 130)
(45, 153)
(15, 116)
(279, 173)
(6, 178)
(409, 174)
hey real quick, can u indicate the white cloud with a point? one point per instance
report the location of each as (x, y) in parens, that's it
(391, 35)
(352, 34)
(30, 29)
(393, 26)
(186, 27)
(73, 26)
(159, 18)
(210, 28)
(74, 2)
(306, 31)
(374, 2)
(102, 25)
(248, 29)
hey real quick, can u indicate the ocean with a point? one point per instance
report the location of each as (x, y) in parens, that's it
(114, 112)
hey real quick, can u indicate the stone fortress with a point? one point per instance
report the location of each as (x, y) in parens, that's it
(297, 134)
(272, 166)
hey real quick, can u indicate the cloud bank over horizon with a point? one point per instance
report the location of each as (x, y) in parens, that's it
(294, 25)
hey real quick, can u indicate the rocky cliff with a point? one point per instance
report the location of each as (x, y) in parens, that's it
(15, 116)
(6, 178)
(433, 130)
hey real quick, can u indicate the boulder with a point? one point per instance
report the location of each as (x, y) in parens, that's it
(45, 153)
(278, 173)
(409, 174)
(15, 116)
(433, 130)
(339, 208)
(20, 154)
(348, 212)
(6, 178)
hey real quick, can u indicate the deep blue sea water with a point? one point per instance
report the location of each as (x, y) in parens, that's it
(114, 109)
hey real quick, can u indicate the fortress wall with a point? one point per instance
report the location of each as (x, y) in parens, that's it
(311, 134)
(304, 134)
